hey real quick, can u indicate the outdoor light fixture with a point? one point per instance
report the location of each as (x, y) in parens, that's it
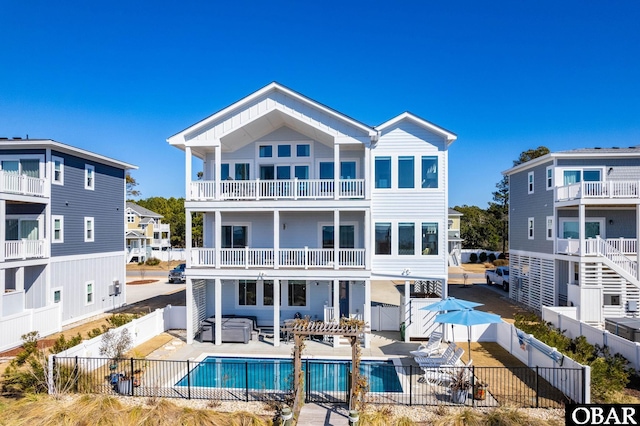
(406, 271)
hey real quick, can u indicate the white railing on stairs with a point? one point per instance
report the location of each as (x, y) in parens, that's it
(600, 247)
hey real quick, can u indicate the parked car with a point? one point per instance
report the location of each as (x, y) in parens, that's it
(177, 274)
(499, 276)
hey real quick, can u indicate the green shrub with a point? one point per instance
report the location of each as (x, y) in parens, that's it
(118, 320)
(152, 261)
(94, 333)
(483, 257)
(473, 258)
(62, 344)
(492, 257)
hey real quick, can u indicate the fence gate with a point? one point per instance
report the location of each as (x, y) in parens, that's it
(385, 318)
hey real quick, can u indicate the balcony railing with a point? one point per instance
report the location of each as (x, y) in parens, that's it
(287, 258)
(22, 184)
(572, 246)
(292, 189)
(595, 190)
(24, 249)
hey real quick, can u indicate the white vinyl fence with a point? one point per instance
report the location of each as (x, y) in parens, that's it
(564, 319)
(46, 320)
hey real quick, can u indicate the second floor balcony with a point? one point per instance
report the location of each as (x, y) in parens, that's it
(599, 190)
(300, 258)
(291, 189)
(21, 184)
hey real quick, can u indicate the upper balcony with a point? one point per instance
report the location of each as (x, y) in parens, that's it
(290, 189)
(599, 191)
(25, 249)
(20, 184)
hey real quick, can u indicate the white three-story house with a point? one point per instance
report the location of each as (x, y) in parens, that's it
(305, 208)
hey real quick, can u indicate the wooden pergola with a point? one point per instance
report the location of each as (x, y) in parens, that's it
(301, 328)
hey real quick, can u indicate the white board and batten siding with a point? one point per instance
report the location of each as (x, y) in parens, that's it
(72, 274)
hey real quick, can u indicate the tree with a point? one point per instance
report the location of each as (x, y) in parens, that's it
(131, 184)
(478, 229)
(499, 209)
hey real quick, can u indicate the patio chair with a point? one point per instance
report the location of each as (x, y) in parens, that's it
(453, 359)
(431, 347)
(442, 375)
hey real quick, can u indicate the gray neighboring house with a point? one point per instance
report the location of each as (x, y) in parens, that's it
(62, 259)
(573, 232)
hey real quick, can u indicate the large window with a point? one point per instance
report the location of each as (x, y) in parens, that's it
(592, 228)
(267, 294)
(383, 238)
(297, 293)
(58, 229)
(266, 151)
(58, 170)
(234, 236)
(429, 172)
(383, 172)
(406, 239)
(21, 228)
(303, 150)
(284, 150)
(89, 177)
(429, 238)
(347, 170)
(283, 172)
(247, 295)
(347, 236)
(326, 170)
(406, 172)
(242, 171)
(301, 172)
(267, 172)
(23, 166)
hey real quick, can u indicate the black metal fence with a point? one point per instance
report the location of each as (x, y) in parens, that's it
(325, 381)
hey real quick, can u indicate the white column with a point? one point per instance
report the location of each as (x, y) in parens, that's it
(368, 247)
(187, 172)
(367, 312)
(276, 239)
(637, 238)
(218, 171)
(367, 172)
(276, 312)
(218, 313)
(407, 305)
(581, 226)
(336, 307)
(191, 327)
(336, 239)
(217, 237)
(336, 171)
(187, 236)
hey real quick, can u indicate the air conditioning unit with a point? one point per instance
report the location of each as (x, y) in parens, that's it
(632, 306)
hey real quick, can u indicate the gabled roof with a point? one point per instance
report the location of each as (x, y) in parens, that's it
(141, 211)
(134, 234)
(180, 138)
(67, 149)
(449, 136)
(453, 212)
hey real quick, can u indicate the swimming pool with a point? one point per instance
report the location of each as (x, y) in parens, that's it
(277, 374)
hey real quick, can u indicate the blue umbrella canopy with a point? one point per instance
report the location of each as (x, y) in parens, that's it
(468, 317)
(450, 304)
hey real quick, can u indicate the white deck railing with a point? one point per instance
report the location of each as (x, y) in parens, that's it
(22, 184)
(594, 190)
(614, 249)
(287, 258)
(292, 189)
(24, 249)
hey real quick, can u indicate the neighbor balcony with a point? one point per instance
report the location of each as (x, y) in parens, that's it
(291, 189)
(20, 184)
(599, 190)
(301, 258)
(25, 249)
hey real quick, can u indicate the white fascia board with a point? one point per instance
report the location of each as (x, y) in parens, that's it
(179, 138)
(68, 149)
(449, 136)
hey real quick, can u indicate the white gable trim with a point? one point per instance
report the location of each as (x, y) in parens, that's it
(450, 137)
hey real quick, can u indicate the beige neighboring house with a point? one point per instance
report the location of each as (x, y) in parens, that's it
(144, 232)
(455, 239)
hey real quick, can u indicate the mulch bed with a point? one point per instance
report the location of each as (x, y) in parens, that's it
(138, 282)
(42, 344)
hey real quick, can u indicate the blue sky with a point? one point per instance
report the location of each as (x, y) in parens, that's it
(119, 77)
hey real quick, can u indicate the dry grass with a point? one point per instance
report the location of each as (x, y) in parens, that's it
(162, 266)
(106, 410)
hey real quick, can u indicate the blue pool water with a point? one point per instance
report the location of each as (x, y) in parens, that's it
(277, 374)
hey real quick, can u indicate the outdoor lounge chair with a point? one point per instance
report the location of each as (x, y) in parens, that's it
(453, 359)
(442, 376)
(448, 352)
(431, 347)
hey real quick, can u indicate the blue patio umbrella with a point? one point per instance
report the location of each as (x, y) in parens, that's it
(450, 304)
(468, 317)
